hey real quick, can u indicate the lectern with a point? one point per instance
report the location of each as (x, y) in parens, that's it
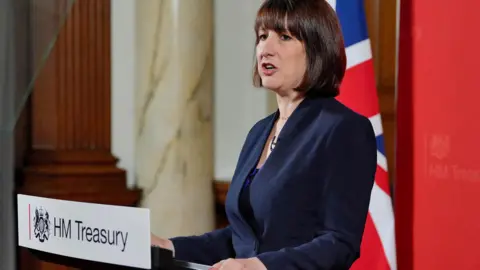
(162, 259)
(91, 236)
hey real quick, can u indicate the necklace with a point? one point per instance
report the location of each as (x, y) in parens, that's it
(273, 143)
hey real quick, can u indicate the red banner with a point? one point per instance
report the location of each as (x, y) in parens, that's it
(437, 194)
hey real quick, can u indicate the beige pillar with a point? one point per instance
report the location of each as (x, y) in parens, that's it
(174, 97)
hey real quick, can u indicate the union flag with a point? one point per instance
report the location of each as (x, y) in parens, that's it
(358, 92)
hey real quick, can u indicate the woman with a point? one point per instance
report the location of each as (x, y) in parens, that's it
(300, 193)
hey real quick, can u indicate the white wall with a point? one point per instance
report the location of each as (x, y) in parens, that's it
(238, 105)
(123, 84)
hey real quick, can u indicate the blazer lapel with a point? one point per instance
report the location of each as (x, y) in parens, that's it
(305, 111)
(298, 118)
(252, 161)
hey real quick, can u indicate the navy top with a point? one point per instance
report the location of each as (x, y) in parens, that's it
(245, 204)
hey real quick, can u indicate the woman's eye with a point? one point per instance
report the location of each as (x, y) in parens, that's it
(286, 37)
(262, 37)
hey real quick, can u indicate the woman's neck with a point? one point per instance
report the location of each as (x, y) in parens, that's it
(288, 103)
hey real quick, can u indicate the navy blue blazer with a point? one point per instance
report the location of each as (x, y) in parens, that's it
(310, 198)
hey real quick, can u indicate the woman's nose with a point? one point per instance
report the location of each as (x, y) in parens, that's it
(266, 54)
(267, 47)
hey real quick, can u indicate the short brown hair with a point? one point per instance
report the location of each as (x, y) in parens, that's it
(315, 23)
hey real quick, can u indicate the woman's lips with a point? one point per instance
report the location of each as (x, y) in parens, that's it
(268, 69)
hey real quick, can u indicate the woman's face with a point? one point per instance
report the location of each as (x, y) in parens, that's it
(281, 60)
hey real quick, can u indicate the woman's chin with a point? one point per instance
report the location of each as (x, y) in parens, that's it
(273, 86)
(278, 89)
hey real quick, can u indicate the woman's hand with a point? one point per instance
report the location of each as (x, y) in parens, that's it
(163, 243)
(239, 264)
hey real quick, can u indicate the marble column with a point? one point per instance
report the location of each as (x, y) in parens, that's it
(174, 99)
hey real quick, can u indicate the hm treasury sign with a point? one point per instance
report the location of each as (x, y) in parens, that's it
(96, 232)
